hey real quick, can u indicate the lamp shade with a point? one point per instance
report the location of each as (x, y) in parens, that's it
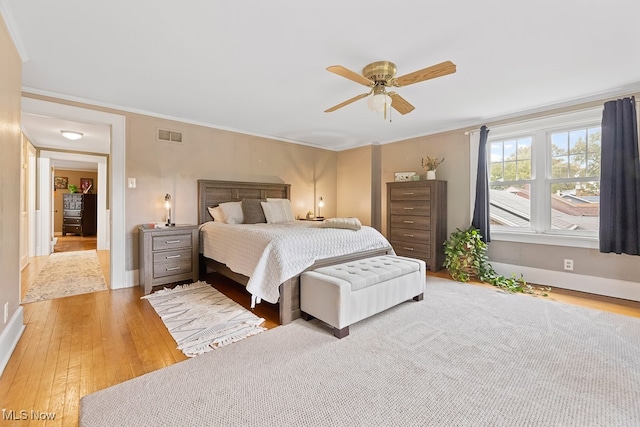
(378, 102)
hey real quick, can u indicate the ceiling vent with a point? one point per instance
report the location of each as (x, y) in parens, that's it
(169, 136)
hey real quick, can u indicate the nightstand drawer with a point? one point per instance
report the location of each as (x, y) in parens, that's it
(171, 263)
(172, 241)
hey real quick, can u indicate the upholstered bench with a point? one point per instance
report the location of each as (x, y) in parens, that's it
(344, 294)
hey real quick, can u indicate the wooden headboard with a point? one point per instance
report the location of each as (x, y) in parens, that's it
(212, 193)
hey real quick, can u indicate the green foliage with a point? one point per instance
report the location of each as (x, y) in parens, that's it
(466, 258)
(73, 188)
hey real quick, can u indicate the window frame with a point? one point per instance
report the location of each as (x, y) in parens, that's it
(540, 130)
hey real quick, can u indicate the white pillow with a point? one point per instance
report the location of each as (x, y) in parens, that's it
(232, 212)
(275, 212)
(216, 213)
(286, 208)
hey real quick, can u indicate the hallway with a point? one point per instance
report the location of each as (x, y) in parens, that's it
(67, 243)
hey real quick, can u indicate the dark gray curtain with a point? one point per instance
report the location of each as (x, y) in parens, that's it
(481, 219)
(620, 179)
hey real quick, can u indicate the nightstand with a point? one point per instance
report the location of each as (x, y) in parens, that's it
(167, 254)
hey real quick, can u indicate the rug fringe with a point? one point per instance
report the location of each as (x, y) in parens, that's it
(164, 291)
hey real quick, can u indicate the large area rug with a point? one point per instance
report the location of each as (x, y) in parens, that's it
(200, 318)
(66, 274)
(465, 356)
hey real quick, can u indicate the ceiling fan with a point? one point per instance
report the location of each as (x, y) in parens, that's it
(382, 75)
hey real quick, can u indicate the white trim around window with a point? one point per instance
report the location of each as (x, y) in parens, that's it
(540, 231)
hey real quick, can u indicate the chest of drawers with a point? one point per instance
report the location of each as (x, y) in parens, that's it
(79, 215)
(417, 220)
(167, 255)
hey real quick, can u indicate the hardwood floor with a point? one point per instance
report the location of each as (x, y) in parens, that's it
(75, 243)
(76, 345)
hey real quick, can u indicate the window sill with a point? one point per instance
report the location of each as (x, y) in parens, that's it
(546, 239)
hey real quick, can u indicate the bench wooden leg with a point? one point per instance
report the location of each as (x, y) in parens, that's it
(306, 316)
(341, 333)
(419, 297)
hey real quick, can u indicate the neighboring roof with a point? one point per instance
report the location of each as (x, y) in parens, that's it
(507, 208)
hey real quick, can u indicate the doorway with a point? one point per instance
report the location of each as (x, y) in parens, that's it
(113, 223)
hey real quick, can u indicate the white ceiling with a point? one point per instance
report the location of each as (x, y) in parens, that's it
(259, 67)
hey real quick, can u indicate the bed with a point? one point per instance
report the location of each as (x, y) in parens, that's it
(212, 193)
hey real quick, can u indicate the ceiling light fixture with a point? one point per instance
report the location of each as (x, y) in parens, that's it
(379, 102)
(72, 135)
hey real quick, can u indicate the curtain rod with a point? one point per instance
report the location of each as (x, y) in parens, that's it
(506, 121)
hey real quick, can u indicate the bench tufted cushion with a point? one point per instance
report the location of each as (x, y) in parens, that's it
(367, 272)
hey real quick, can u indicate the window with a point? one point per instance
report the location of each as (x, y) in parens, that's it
(544, 177)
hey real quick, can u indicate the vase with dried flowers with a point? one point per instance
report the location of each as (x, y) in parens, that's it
(431, 164)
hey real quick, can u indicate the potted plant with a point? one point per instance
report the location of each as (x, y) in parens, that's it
(466, 258)
(73, 188)
(431, 164)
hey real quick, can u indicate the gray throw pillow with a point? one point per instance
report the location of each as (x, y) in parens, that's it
(252, 211)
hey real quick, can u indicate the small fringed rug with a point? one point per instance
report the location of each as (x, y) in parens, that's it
(200, 318)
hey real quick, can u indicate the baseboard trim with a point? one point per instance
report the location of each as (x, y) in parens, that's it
(10, 337)
(578, 282)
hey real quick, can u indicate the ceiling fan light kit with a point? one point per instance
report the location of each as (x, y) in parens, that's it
(381, 75)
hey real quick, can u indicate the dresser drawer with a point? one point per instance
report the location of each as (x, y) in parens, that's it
(409, 235)
(411, 250)
(413, 222)
(410, 193)
(71, 228)
(171, 263)
(410, 208)
(72, 213)
(172, 241)
(72, 221)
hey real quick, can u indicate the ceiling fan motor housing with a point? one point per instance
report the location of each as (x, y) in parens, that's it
(381, 72)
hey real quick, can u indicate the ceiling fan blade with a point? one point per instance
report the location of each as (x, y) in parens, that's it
(347, 102)
(438, 70)
(400, 104)
(351, 75)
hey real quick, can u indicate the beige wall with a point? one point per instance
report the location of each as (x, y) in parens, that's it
(74, 178)
(10, 145)
(355, 191)
(206, 153)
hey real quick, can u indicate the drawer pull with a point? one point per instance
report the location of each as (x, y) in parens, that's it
(173, 268)
(408, 235)
(408, 209)
(168, 242)
(408, 249)
(172, 256)
(408, 222)
(409, 194)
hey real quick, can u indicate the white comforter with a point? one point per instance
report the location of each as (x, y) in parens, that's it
(270, 254)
